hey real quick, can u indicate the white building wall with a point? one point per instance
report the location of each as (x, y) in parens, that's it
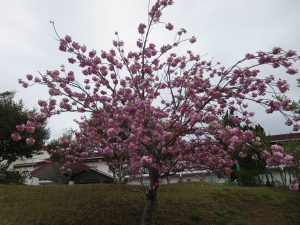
(101, 166)
(36, 158)
(24, 165)
(280, 177)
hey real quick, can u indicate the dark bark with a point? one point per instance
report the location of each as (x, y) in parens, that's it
(150, 202)
(149, 208)
(267, 178)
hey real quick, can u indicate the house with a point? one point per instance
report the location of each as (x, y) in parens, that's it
(40, 170)
(26, 165)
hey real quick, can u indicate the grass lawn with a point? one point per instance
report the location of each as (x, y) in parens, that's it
(178, 204)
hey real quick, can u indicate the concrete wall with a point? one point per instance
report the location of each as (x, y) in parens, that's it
(183, 177)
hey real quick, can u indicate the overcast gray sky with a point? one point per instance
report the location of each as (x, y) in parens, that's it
(226, 30)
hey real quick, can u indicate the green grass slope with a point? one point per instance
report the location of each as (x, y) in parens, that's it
(177, 204)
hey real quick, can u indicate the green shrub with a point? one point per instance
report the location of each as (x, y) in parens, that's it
(11, 177)
(249, 178)
(197, 214)
(241, 221)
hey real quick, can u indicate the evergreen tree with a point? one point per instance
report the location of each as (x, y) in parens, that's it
(11, 114)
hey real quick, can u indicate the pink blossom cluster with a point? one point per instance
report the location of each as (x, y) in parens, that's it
(294, 186)
(276, 157)
(34, 122)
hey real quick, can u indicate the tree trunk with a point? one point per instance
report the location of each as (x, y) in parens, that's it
(150, 198)
(272, 178)
(268, 183)
(114, 174)
(149, 208)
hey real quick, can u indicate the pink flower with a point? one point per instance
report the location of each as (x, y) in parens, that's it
(107, 151)
(199, 132)
(52, 102)
(289, 122)
(30, 129)
(277, 148)
(193, 117)
(169, 26)
(132, 146)
(146, 161)
(296, 127)
(254, 157)
(278, 156)
(159, 127)
(287, 160)
(294, 186)
(282, 85)
(290, 53)
(234, 141)
(92, 54)
(165, 48)
(265, 154)
(42, 103)
(16, 136)
(141, 28)
(248, 134)
(139, 43)
(30, 141)
(111, 132)
(29, 77)
(62, 48)
(193, 40)
(270, 162)
(68, 39)
(25, 85)
(75, 45)
(71, 76)
(71, 60)
(83, 48)
(276, 50)
(249, 56)
(20, 127)
(275, 65)
(292, 71)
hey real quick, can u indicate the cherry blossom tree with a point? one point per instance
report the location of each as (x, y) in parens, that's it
(152, 109)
